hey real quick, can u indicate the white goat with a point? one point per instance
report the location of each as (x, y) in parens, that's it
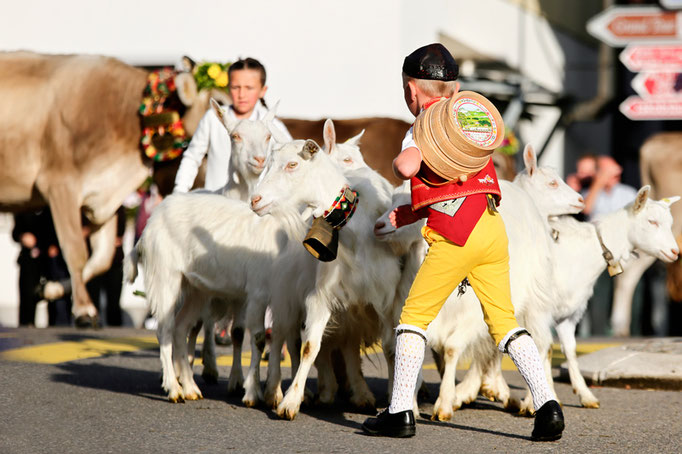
(365, 272)
(644, 225)
(250, 145)
(197, 247)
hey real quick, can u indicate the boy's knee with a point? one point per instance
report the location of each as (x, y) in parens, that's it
(512, 335)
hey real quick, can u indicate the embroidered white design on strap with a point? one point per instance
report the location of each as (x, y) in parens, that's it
(449, 207)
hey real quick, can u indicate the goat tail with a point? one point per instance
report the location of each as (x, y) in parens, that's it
(130, 265)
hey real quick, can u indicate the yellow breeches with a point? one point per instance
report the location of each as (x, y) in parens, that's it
(484, 260)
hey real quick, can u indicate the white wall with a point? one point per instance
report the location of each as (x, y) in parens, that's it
(338, 59)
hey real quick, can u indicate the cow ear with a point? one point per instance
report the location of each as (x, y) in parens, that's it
(355, 140)
(670, 200)
(187, 88)
(640, 199)
(225, 119)
(310, 149)
(530, 159)
(187, 64)
(329, 135)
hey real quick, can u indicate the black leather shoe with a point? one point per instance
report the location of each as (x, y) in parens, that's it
(549, 422)
(387, 424)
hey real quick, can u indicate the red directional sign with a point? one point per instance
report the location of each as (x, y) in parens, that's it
(653, 57)
(636, 108)
(619, 26)
(657, 84)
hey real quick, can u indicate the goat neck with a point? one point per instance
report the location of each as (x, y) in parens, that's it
(614, 229)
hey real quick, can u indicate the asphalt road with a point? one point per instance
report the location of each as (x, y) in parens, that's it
(111, 402)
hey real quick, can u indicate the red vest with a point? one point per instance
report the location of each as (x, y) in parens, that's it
(455, 228)
(425, 194)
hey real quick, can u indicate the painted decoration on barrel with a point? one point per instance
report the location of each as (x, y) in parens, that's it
(475, 121)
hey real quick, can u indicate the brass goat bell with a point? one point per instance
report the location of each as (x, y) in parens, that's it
(614, 269)
(322, 240)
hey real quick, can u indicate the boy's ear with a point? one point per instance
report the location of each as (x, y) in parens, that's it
(412, 87)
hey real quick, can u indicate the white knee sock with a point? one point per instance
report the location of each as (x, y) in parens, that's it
(409, 355)
(526, 357)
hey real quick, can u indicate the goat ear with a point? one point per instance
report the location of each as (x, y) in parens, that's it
(310, 148)
(222, 115)
(670, 200)
(355, 140)
(277, 134)
(186, 87)
(271, 113)
(530, 159)
(329, 135)
(640, 199)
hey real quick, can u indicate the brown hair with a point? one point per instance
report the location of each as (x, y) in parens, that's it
(249, 63)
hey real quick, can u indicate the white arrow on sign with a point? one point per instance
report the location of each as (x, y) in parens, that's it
(618, 26)
(662, 57)
(636, 108)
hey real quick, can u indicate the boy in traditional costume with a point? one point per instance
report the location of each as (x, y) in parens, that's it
(446, 155)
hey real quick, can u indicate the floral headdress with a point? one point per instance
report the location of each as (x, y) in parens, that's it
(211, 75)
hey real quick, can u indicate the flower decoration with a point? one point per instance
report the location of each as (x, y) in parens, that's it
(510, 144)
(163, 133)
(211, 75)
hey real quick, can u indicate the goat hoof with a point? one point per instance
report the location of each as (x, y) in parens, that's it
(590, 404)
(176, 399)
(288, 414)
(513, 406)
(441, 416)
(193, 396)
(250, 403)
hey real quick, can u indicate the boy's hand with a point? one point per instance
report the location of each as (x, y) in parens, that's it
(403, 215)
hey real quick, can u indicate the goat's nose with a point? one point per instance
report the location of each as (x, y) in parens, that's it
(379, 225)
(255, 199)
(260, 160)
(675, 251)
(581, 200)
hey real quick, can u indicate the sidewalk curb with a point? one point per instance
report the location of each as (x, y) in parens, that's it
(651, 364)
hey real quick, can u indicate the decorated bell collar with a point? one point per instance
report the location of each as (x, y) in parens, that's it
(322, 240)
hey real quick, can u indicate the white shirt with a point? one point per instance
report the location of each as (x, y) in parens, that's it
(211, 137)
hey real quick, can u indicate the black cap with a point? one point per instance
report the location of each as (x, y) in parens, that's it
(433, 62)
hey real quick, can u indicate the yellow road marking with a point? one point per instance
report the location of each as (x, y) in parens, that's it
(60, 352)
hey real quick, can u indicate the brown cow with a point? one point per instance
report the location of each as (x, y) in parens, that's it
(69, 138)
(661, 167)
(380, 143)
